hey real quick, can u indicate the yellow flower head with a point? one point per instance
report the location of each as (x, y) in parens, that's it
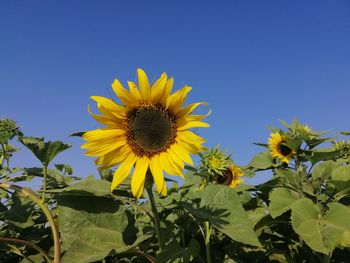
(278, 148)
(231, 176)
(148, 130)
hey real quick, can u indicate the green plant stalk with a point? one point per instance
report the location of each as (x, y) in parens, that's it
(32, 196)
(30, 244)
(18, 252)
(2, 159)
(44, 187)
(156, 221)
(207, 241)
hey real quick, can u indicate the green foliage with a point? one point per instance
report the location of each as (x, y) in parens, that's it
(300, 215)
(44, 151)
(262, 161)
(226, 214)
(281, 200)
(320, 231)
(175, 253)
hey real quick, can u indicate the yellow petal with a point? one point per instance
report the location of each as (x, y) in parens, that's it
(183, 121)
(109, 108)
(134, 90)
(191, 147)
(191, 124)
(167, 165)
(125, 96)
(190, 108)
(190, 137)
(123, 171)
(101, 150)
(107, 121)
(181, 153)
(101, 143)
(114, 157)
(102, 134)
(176, 162)
(157, 89)
(166, 93)
(157, 173)
(144, 85)
(176, 99)
(139, 176)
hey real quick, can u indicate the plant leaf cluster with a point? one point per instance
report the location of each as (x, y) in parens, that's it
(300, 215)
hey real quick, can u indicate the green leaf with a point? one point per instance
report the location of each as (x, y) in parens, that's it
(322, 233)
(345, 133)
(262, 161)
(20, 213)
(341, 173)
(336, 224)
(227, 215)
(191, 178)
(289, 177)
(89, 186)
(106, 174)
(344, 239)
(55, 179)
(315, 142)
(305, 222)
(256, 215)
(4, 138)
(323, 171)
(244, 187)
(340, 189)
(281, 200)
(77, 134)
(92, 227)
(44, 151)
(315, 156)
(173, 252)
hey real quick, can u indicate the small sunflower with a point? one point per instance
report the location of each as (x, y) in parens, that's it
(149, 130)
(231, 176)
(278, 148)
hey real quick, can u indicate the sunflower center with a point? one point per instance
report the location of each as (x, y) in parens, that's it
(226, 177)
(284, 150)
(151, 129)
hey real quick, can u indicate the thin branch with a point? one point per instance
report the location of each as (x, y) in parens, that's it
(27, 243)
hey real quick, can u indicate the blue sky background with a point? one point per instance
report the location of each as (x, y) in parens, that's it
(254, 61)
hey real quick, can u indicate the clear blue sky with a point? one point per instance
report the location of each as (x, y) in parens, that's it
(254, 61)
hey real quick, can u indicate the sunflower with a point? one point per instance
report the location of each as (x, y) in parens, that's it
(278, 148)
(149, 131)
(231, 176)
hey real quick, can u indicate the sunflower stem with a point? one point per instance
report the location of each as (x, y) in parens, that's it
(44, 187)
(207, 241)
(156, 222)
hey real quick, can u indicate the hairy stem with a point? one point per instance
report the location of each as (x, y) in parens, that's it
(156, 221)
(2, 159)
(207, 241)
(44, 187)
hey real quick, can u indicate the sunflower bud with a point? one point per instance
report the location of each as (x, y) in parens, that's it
(8, 130)
(214, 162)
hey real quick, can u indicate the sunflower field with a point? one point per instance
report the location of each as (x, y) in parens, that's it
(152, 203)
